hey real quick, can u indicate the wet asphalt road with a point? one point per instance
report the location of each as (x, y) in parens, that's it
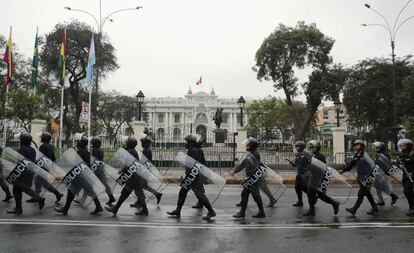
(284, 229)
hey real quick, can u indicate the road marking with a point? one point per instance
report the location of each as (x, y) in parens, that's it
(163, 225)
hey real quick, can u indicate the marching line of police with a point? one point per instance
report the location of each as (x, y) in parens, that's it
(85, 177)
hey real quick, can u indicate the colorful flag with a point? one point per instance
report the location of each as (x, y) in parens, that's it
(200, 81)
(8, 58)
(62, 60)
(35, 63)
(91, 62)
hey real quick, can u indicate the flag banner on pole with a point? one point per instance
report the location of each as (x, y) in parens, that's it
(91, 62)
(62, 60)
(8, 58)
(200, 81)
(35, 63)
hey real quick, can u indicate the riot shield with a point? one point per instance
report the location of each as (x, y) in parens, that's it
(367, 170)
(199, 178)
(155, 172)
(105, 173)
(389, 172)
(133, 166)
(389, 167)
(45, 163)
(17, 167)
(336, 185)
(254, 175)
(78, 178)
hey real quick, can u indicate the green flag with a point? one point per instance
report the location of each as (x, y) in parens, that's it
(35, 63)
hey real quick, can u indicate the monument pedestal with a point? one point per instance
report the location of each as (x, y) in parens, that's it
(220, 136)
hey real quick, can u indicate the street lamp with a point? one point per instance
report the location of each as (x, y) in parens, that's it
(241, 102)
(100, 22)
(337, 104)
(140, 99)
(393, 34)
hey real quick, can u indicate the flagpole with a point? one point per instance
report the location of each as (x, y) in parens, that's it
(37, 32)
(5, 119)
(6, 99)
(61, 116)
(89, 114)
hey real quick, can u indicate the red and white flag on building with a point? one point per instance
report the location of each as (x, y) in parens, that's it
(200, 81)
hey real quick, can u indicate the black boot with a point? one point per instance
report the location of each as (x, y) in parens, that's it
(380, 203)
(260, 214)
(135, 204)
(111, 200)
(8, 197)
(210, 215)
(394, 198)
(299, 203)
(98, 207)
(373, 210)
(410, 212)
(176, 213)
(335, 206)
(62, 210)
(143, 212)
(239, 215)
(238, 204)
(272, 203)
(17, 211)
(310, 213)
(41, 203)
(158, 196)
(351, 210)
(58, 197)
(112, 209)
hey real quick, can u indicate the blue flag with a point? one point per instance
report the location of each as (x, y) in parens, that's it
(91, 62)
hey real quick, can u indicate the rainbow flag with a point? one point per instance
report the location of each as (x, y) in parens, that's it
(8, 59)
(62, 60)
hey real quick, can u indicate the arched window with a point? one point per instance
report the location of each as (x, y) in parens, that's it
(160, 133)
(177, 134)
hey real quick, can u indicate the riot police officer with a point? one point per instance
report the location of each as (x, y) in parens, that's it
(313, 193)
(135, 183)
(250, 169)
(98, 153)
(382, 182)
(82, 150)
(46, 149)
(3, 183)
(146, 151)
(406, 161)
(301, 162)
(24, 182)
(196, 185)
(199, 146)
(365, 168)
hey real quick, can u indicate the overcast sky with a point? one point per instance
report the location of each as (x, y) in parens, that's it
(165, 47)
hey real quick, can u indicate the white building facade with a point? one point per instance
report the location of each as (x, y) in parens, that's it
(170, 119)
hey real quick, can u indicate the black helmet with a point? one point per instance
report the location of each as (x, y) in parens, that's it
(199, 140)
(406, 142)
(145, 140)
(300, 144)
(130, 142)
(361, 142)
(24, 137)
(96, 142)
(81, 140)
(252, 142)
(380, 145)
(314, 143)
(46, 137)
(191, 138)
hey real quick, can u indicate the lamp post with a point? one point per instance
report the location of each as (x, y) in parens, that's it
(140, 99)
(241, 102)
(100, 22)
(393, 31)
(337, 104)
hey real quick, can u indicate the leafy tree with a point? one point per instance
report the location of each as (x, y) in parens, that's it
(368, 96)
(24, 107)
(290, 48)
(78, 42)
(114, 110)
